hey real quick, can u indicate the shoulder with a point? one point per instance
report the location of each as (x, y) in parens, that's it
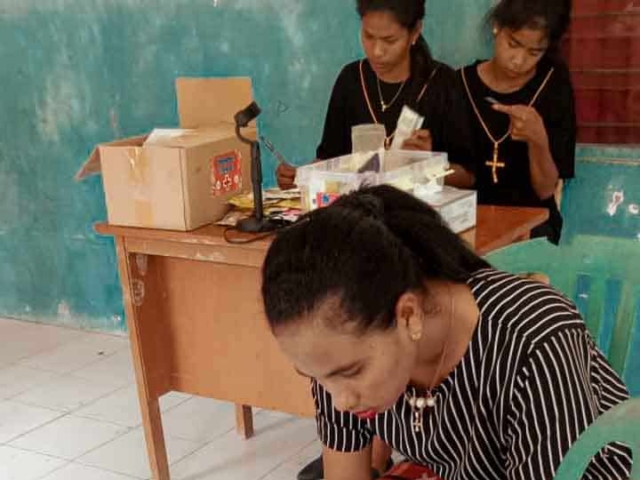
(559, 81)
(351, 72)
(560, 68)
(468, 77)
(523, 311)
(439, 83)
(443, 70)
(441, 75)
(469, 70)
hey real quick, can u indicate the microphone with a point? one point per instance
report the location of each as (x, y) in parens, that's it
(257, 223)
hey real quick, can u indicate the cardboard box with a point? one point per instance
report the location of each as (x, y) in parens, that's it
(457, 207)
(180, 179)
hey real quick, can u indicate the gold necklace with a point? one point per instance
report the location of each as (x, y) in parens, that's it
(374, 117)
(386, 106)
(495, 163)
(418, 404)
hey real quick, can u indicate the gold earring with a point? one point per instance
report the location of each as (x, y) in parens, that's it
(495, 32)
(415, 336)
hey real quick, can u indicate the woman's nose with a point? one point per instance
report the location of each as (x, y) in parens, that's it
(517, 61)
(346, 401)
(378, 50)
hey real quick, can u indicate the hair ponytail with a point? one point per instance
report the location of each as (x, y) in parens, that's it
(422, 65)
(365, 251)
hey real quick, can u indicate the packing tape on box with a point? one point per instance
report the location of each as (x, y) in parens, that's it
(138, 177)
(138, 165)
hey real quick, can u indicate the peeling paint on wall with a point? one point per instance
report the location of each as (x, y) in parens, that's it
(79, 72)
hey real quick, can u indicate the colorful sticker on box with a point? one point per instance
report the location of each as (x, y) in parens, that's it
(226, 173)
(325, 199)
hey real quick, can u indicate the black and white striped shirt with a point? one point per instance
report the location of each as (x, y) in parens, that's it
(531, 381)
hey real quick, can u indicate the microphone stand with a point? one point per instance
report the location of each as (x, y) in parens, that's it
(257, 223)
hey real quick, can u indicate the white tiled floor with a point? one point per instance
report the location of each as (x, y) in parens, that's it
(69, 411)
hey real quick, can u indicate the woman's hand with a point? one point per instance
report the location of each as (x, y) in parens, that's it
(419, 140)
(286, 176)
(526, 125)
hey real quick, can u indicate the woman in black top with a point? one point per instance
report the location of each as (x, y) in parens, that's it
(398, 70)
(408, 335)
(522, 110)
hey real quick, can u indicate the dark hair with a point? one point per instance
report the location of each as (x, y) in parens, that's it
(364, 251)
(408, 13)
(552, 16)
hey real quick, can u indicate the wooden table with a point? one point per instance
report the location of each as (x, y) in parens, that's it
(197, 326)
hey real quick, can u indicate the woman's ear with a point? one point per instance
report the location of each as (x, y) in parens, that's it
(409, 316)
(417, 31)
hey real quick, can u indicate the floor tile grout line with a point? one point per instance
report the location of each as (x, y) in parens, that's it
(79, 407)
(24, 434)
(54, 471)
(127, 432)
(287, 460)
(206, 444)
(74, 459)
(126, 475)
(68, 328)
(86, 365)
(26, 450)
(26, 404)
(47, 350)
(69, 414)
(21, 360)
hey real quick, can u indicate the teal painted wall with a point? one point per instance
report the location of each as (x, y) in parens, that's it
(604, 198)
(78, 72)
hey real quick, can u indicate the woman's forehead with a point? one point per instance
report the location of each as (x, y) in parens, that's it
(531, 38)
(314, 345)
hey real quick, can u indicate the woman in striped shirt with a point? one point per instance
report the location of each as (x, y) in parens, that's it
(408, 335)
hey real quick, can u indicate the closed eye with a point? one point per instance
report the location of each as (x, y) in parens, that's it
(352, 373)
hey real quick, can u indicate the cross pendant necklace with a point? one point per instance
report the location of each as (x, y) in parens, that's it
(496, 163)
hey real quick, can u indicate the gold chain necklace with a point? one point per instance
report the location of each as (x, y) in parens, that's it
(386, 106)
(418, 404)
(374, 117)
(495, 163)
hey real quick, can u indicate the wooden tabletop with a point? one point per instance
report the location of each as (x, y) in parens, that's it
(497, 227)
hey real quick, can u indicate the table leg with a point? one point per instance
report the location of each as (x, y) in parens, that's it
(146, 365)
(154, 435)
(244, 421)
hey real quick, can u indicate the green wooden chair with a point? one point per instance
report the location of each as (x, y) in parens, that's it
(620, 424)
(602, 276)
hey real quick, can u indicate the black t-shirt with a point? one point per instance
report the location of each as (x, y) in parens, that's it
(442, 105)
(556, 107)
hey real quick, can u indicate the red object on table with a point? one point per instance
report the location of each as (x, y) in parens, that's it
(410, 471)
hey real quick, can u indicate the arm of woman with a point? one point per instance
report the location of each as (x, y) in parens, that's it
(563, 386)
(449, 122)
(346, 439)
(551, 140)
(347, 466)
(527, 126)
(336, 136)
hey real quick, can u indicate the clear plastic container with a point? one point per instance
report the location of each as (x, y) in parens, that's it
(321, 183)
(369, 137)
